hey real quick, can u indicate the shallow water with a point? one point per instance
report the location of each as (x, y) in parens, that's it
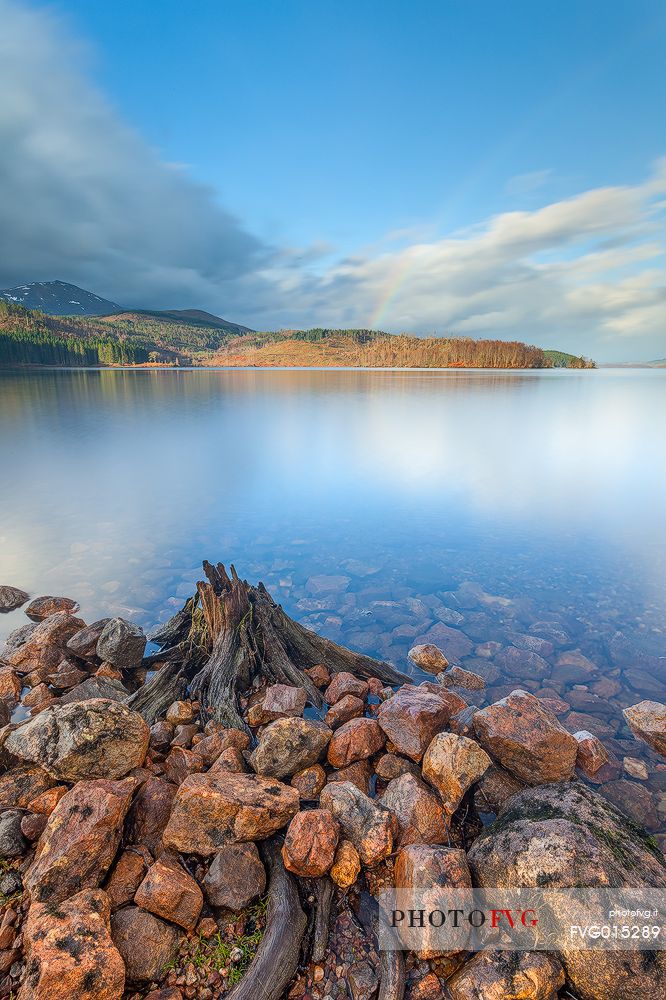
(547, 489)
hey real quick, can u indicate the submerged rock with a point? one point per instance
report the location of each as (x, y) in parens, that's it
(647, 721)
(526, 739)
(69, 951)
(428, 657)
(88, 739)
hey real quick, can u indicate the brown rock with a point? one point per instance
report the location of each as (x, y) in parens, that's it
(80, 840)
(99, 738)
(369, 826)
(66, 676)
(231, 759)
(180, 764)
(169, 892)
(452, 764)
(280, 701)
(45, 646)
(495, 789)
(21, 785)
(457, 677)
(526, 739)
(345, 683)
(591, 753)
(150, 813)
(70, 953)
(10, 686)
(412, 717)
(497, 975)
(363, 981)
(161, 734)
(428, 657)
(349, 707)
(359, 773)
(462, 723)
(235, 878)
(346, 865)
(32, 826)
(84, 642)
(309, 782)
(355, 740)
(127, 875)
(43, 607)
(319, 675)
(145, 943)
(309, 847)
(12, 598)
(421, 819)
(211, 810)
(168, 993)
(179, 712)
(289, 745)
(40, 693)
(428, 870)
(391, 765)
(634, 800)
(647, 721)
(183, 735)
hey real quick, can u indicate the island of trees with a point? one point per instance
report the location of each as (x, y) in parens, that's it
(29, 337)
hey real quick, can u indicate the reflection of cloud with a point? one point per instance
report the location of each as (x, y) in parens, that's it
(83, 198)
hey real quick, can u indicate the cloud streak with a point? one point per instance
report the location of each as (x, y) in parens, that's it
(85, 199)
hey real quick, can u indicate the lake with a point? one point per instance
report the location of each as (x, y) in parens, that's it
(380, 507)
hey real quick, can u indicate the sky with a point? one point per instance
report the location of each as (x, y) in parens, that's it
(470, 168)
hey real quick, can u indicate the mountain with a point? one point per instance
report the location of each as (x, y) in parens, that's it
(58, 298)
(197, 317)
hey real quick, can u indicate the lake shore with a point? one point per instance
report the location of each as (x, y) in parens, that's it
(202, 779)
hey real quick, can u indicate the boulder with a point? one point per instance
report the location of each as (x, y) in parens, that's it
(428, 657)
(12, 598)
(419, 866)
(235, 878)
(42, 607)
(309, 847)
(346, 865)
(20, 785)
(452, 764)
(147, 945)
(169, 892)
(635, 800)
(127, 875)
(95, 687)
(83, 643)
(80, 840)
(121, 643)
(89, 739)
(345, 683)
(591, 754)
(309, 782)
(149, 813)
(391, 765)
(359, 773)
(421, 819)
(45, 645)
(566, 834)
(69, 951)
(349, 707)
(319, 675)
(495, 788)
(370, 827)
(280, 701)
(289, 745)
(526, 739)
(214, 809)
(412, 717)
(456, 677)
(12, 842)
(647, 721)
(508, 975)
(355, 740)
(10, 686)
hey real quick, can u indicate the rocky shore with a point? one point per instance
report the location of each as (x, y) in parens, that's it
(148, 848)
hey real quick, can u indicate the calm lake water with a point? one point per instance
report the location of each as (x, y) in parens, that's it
(379, 507)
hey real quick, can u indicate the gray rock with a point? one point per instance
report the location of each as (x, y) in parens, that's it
(19, 637)
(84, 643)
(289, 745)
(11, 882)
(145, 943)
(121, 643)
(12, 842)
(95, 687)
(236, 877)
(12, 598)
(363, 982)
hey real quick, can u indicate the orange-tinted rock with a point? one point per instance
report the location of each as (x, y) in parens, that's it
(150, 813)
(179, 712)
(420, 866)
(181, 763)
(66, 676)
(214, 809)
(80, 840)
(32, 826)
(319, 675)
(349, 707)
(70, 953)
(42, 607)
(231, 759)
(346, 865)
(184, 734)
(355, 740)
(428, 988)
(37, 695)
(45, 803)
(452, 764)
(310, 781)
(591, 754)
(421, 819)
(127, 875)
(21, 785)
(359, 773)
(169, 892)
(391, 765)
(412, 717)
(457, 677)
(495, 788)
(10, 686)
(526, 739)
(370, 827)
(345, 683)
(647, 721)
(235, 878)
(146, 943)
(280, 701)
(520, 975)
(45, 646)
(309, 847)
(288, 745)
(428, 657)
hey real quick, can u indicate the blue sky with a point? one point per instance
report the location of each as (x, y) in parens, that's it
(351, 150)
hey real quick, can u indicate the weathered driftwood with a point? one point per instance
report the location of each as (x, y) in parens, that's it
(166, 686)
(392, 963)
(276, 960)
(248, 636)
(323, 896)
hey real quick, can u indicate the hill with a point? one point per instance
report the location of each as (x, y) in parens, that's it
(560, 359)
(58, 298)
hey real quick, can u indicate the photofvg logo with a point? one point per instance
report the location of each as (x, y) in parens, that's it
(436, 920)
